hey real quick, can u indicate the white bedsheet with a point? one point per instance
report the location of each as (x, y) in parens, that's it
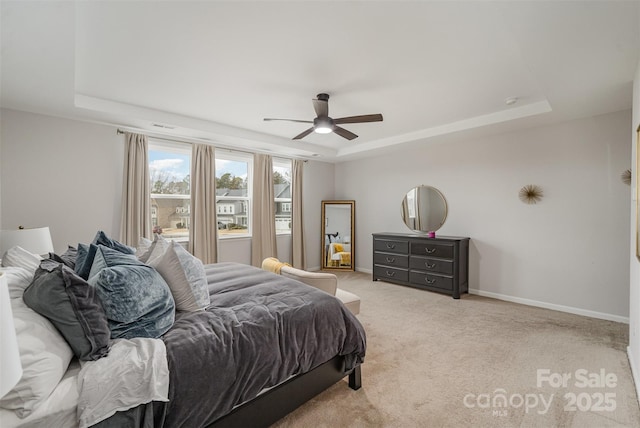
(135, 372)
(59, 410)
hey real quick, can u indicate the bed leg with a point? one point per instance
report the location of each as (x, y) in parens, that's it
(355, 378)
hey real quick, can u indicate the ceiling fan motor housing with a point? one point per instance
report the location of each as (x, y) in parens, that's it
(323, 125)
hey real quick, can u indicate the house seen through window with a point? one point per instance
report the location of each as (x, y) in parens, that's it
(169, 173)
(233, 193)
(282, 194)
(169, 169)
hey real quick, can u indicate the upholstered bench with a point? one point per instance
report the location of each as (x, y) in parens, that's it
(324, 281)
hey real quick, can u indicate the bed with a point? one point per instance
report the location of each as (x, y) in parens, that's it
(264, 345)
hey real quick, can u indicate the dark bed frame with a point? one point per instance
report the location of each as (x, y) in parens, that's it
(277, 402)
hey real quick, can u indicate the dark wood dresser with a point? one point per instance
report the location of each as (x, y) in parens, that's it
(436, 264)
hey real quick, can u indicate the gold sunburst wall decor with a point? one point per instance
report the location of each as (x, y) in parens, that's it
(626, 177)
(530, 194)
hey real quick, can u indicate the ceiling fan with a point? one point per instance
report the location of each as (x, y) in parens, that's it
(323, 124)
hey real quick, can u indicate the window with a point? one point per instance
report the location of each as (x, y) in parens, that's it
(169, 169)
(233, 192)
(282, 194)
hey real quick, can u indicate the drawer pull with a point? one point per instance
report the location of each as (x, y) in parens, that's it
(391, 246)
(429, 266)
(390, 259)
(430, 251)
(390, 273)
(430, 281)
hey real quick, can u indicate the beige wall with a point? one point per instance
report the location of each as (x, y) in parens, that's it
(67, 175)
(568, 252)
(319, 182)
(60, 173)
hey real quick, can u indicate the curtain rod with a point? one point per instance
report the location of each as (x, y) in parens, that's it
(155, 137)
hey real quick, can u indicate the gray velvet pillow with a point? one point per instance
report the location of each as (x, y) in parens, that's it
(136, 299)
(84, 259)
(86, 253)
(72, 306)
(101, 238)
(68, 257)
(105, 257)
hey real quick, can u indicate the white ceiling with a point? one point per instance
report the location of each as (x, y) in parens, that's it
(213, 70)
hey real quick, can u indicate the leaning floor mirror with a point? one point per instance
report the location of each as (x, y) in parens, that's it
(338, 226)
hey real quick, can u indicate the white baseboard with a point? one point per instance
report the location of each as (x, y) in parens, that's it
(536, 303)
(634, 372)
(553, 306)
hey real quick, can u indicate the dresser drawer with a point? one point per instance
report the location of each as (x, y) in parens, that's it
(437, 281)
(390, 273)
(391, 246)
(432, 249)
(391, 259)
(431, 265)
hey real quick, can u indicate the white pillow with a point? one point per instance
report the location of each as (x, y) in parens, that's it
(156, 250)
(143, 246)
(186, 277)
(17, 280)
(19, 257)
(44, 354)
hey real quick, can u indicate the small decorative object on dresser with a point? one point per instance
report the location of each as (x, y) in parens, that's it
(436, 264)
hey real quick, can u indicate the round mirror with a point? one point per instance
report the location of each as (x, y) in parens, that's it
(424, 209)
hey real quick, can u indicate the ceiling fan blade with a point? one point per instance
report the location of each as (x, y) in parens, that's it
(359, 119)
(303, 134)
(321, 107)
(344, 133)
(267, 119)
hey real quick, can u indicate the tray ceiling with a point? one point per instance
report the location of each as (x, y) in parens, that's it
(211, 71)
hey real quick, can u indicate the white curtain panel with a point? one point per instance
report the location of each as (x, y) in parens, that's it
(203, 231)
(136, 198)
(263, 241)
(298, 259)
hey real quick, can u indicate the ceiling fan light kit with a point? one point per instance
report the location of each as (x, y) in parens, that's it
(323, 124)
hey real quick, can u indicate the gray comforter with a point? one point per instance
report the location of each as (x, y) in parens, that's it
(259, 330)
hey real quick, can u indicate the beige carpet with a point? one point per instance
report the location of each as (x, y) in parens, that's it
(433, 361)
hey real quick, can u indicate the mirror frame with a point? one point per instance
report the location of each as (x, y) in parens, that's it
(424, 231)
(636, 193)
(323, 246)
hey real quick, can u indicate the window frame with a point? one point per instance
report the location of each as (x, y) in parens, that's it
(284, 163)
(177, 148)
(235, 156)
